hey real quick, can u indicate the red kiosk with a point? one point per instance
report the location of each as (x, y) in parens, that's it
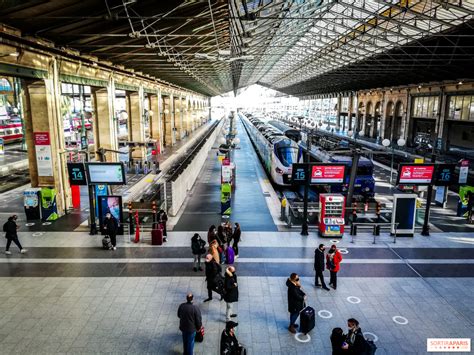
(331, 215)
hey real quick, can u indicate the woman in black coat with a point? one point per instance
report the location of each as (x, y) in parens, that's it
(296, 299)
(231, 291)
(198, 249)
(111, 228)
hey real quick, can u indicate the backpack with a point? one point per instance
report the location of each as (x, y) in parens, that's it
(106, 242)
(370, 347)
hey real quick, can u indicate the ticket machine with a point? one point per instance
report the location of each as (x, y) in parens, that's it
(331, 215)
(226, 195)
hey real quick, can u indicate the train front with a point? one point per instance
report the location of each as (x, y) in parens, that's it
(285, 153)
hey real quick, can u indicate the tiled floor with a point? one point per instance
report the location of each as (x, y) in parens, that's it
(127, 315)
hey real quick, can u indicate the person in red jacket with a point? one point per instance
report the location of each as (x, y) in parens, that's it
(333, 259)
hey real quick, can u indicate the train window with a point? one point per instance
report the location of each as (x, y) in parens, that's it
(365, 170)
(287, 155)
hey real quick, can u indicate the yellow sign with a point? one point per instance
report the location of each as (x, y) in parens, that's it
(220, 158)
(419, 160)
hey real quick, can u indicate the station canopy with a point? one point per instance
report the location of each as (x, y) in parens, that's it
(299, 47)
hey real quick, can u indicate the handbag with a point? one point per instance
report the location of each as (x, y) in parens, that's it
(199, 338)
(219, 249)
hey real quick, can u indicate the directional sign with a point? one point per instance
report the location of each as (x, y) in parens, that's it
(299, 174)
(77, 174)
(444, 174)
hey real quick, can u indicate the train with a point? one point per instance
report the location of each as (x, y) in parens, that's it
(11, 129)
(364, 183)
(276, 151)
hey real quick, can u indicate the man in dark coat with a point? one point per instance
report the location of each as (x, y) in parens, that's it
(197, 247)
(236, 239)
(319, 261)
(229, 343)
(190, 321)
(10, 228)
(296, 299)
(111, 228)
(231, 291)
(213, 271)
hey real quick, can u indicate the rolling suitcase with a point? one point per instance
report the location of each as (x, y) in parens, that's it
(229, 255)
(157, 236)
(307, 319)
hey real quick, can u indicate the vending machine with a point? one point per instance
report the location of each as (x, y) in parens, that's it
(331, 215)
(226, 196)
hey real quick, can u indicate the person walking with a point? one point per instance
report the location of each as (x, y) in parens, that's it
(229, 343)
(163, 219)
(333, 260)
(296, 298)
(236, 239)
(213, 272)
(111, 228)
(198, 249)
(11, 234)
(211, 234)
(355, 342)
(190, 321)
(231, 294)
(319, 267)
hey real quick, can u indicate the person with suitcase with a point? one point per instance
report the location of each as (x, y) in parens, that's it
(296, 298)
(163, 219)
(198, 249)
(10, 228)
(333, 261)
(231, 294)
(110, 229)
(213, 274)
(190, 321)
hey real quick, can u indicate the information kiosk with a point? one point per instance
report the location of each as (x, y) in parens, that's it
(331, 215)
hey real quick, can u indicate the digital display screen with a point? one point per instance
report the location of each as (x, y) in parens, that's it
(322, 174)
(106, 173)
(77, 174)
(415, 174)
(444, 174)
(299, 174)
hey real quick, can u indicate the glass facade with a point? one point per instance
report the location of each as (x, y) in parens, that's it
(425, 106)
(461, 107)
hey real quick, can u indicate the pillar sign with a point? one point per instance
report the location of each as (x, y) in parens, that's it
(43, 153)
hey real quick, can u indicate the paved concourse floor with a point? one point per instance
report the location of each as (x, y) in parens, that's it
(67, 295)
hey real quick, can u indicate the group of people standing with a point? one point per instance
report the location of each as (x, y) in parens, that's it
(224, 242)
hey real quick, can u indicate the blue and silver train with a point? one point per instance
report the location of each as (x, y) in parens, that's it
(276, 151)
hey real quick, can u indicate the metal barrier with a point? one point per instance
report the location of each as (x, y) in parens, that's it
(375, 229)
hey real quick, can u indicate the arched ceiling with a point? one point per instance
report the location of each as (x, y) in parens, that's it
(298, 47)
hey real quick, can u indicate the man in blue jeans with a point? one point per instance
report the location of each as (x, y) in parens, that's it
(190, 322)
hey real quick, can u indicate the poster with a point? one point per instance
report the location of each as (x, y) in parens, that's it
(44, 160)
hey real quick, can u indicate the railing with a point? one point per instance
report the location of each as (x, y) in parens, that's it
(375, 229)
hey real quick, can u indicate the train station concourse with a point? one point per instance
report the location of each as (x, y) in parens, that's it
(237, 177)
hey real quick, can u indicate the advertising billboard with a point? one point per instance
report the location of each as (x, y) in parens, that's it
(415, 174)
(323, 174)
(105, 173)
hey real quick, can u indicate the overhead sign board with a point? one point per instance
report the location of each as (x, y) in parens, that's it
(444, 174)
(105, 173)
(323, 174)
(415, 174)
(77, 174)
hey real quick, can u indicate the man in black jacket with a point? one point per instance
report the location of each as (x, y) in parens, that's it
(229, 343)
(213, 271)
(10, 228)
(319, 261)
(190, 322)
(296, 299)
(231, 292)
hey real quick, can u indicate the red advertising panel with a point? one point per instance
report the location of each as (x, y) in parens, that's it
(328, 174)
(416, 174)
(41, 138)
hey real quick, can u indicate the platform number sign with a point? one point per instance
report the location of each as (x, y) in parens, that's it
(77, 174)
(444, 174)
(299, 174)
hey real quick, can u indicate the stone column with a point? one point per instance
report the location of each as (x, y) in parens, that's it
(170, 139)
(105, 125)
(155, 119)
(137, 126)
(338, 112)
(178, 118)
(42, 115)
